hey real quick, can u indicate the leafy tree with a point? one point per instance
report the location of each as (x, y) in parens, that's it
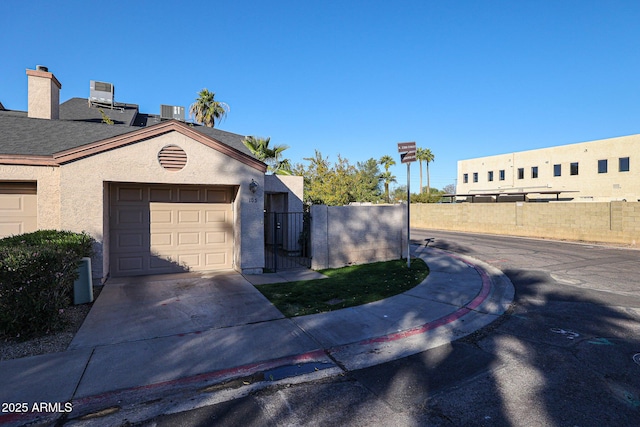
(272, 156)
(367, 182)
(400, 193)
(207, 110)
(339, 183)
(325, 183)
(449, 189)
(387, 177)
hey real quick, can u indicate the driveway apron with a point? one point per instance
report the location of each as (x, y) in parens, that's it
(141, 308)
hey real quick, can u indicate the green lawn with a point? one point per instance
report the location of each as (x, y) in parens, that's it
(345, 287)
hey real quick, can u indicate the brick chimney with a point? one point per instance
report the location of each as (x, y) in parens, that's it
(44, 94)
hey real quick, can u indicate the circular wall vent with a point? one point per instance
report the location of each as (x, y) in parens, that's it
(172, 158)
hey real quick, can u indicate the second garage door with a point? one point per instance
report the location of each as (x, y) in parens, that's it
(18, 208)
(167, 229)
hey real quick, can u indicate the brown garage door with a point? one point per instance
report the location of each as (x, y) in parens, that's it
(18, 208)
(159, 229)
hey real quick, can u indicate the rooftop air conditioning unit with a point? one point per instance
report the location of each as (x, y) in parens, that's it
(168, 112)
(101, 93)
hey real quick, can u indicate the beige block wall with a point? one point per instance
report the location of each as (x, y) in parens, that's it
(84, 202)
(48, 179)
(612, 222)
(589, 184)
(344, 235)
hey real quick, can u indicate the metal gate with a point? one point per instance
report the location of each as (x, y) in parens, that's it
(287, 239)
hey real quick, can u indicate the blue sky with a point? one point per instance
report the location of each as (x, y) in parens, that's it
(463, 78)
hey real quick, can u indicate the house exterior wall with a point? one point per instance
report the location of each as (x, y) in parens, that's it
(589, 184)
(48, 196)
(293, 186)
(344, 235)
(606, 222)
(83, 199)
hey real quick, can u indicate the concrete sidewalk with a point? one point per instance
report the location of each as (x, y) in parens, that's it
(113, 368)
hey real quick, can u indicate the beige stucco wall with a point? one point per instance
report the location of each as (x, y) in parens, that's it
(610, 222)
(344, 235)
(589, 184)
(292, 185)
(44, 95)
(48, 179)
(83, 202)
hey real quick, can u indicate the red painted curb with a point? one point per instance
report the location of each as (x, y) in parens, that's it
(472, 305)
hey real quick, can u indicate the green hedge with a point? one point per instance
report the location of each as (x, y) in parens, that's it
(37, 271)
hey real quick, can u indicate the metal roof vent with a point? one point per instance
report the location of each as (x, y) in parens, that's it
(172, 157)
(101, 94)
(168, 112)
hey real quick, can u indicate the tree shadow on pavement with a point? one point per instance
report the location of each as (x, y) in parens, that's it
(561, 356)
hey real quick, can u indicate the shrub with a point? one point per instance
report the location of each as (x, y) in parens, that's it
(37, 271)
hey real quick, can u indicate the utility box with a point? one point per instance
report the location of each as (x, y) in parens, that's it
(83, 286)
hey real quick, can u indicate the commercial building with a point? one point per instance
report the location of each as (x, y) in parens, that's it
(600, 171)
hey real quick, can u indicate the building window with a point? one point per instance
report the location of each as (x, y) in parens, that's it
(465, 178)
(490, 176)
(602, 166)
(623, 164)
(475, 177)
(557, 170)
(574, 168)
(502, 175)
(534, 172)
(520, 173)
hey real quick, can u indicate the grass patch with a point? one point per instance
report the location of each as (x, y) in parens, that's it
(345, 287)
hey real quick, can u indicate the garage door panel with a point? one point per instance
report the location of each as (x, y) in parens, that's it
(213, 237)
(133, 264)
(178, 230)
(161, 194)
(189, 216)
(193, 238)
(161, 217)
(162, 239)
(190, 196)
(217, 196)
(11, 228)
(130, 194)
(130, 240)
(217, 258)
(130, 216)
(216, 216)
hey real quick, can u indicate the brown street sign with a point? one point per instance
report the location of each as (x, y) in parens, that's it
(405, 147)
(408, 157)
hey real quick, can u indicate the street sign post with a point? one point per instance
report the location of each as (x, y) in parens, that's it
(407, 152)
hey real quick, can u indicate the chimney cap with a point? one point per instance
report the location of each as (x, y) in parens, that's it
(42, 68)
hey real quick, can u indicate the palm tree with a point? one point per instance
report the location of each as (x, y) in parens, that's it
(207, 110)
(428, 157)
(259, 147)
(420, 156)
(387, 161)
(387, 177)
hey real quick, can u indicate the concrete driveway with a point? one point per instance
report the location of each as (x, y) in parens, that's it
(140, 308)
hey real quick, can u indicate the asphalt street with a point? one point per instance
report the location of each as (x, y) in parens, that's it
(567, 353)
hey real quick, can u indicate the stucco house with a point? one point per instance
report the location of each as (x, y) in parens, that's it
(158, 196)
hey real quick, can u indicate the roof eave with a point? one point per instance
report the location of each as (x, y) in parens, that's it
(98, 147)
